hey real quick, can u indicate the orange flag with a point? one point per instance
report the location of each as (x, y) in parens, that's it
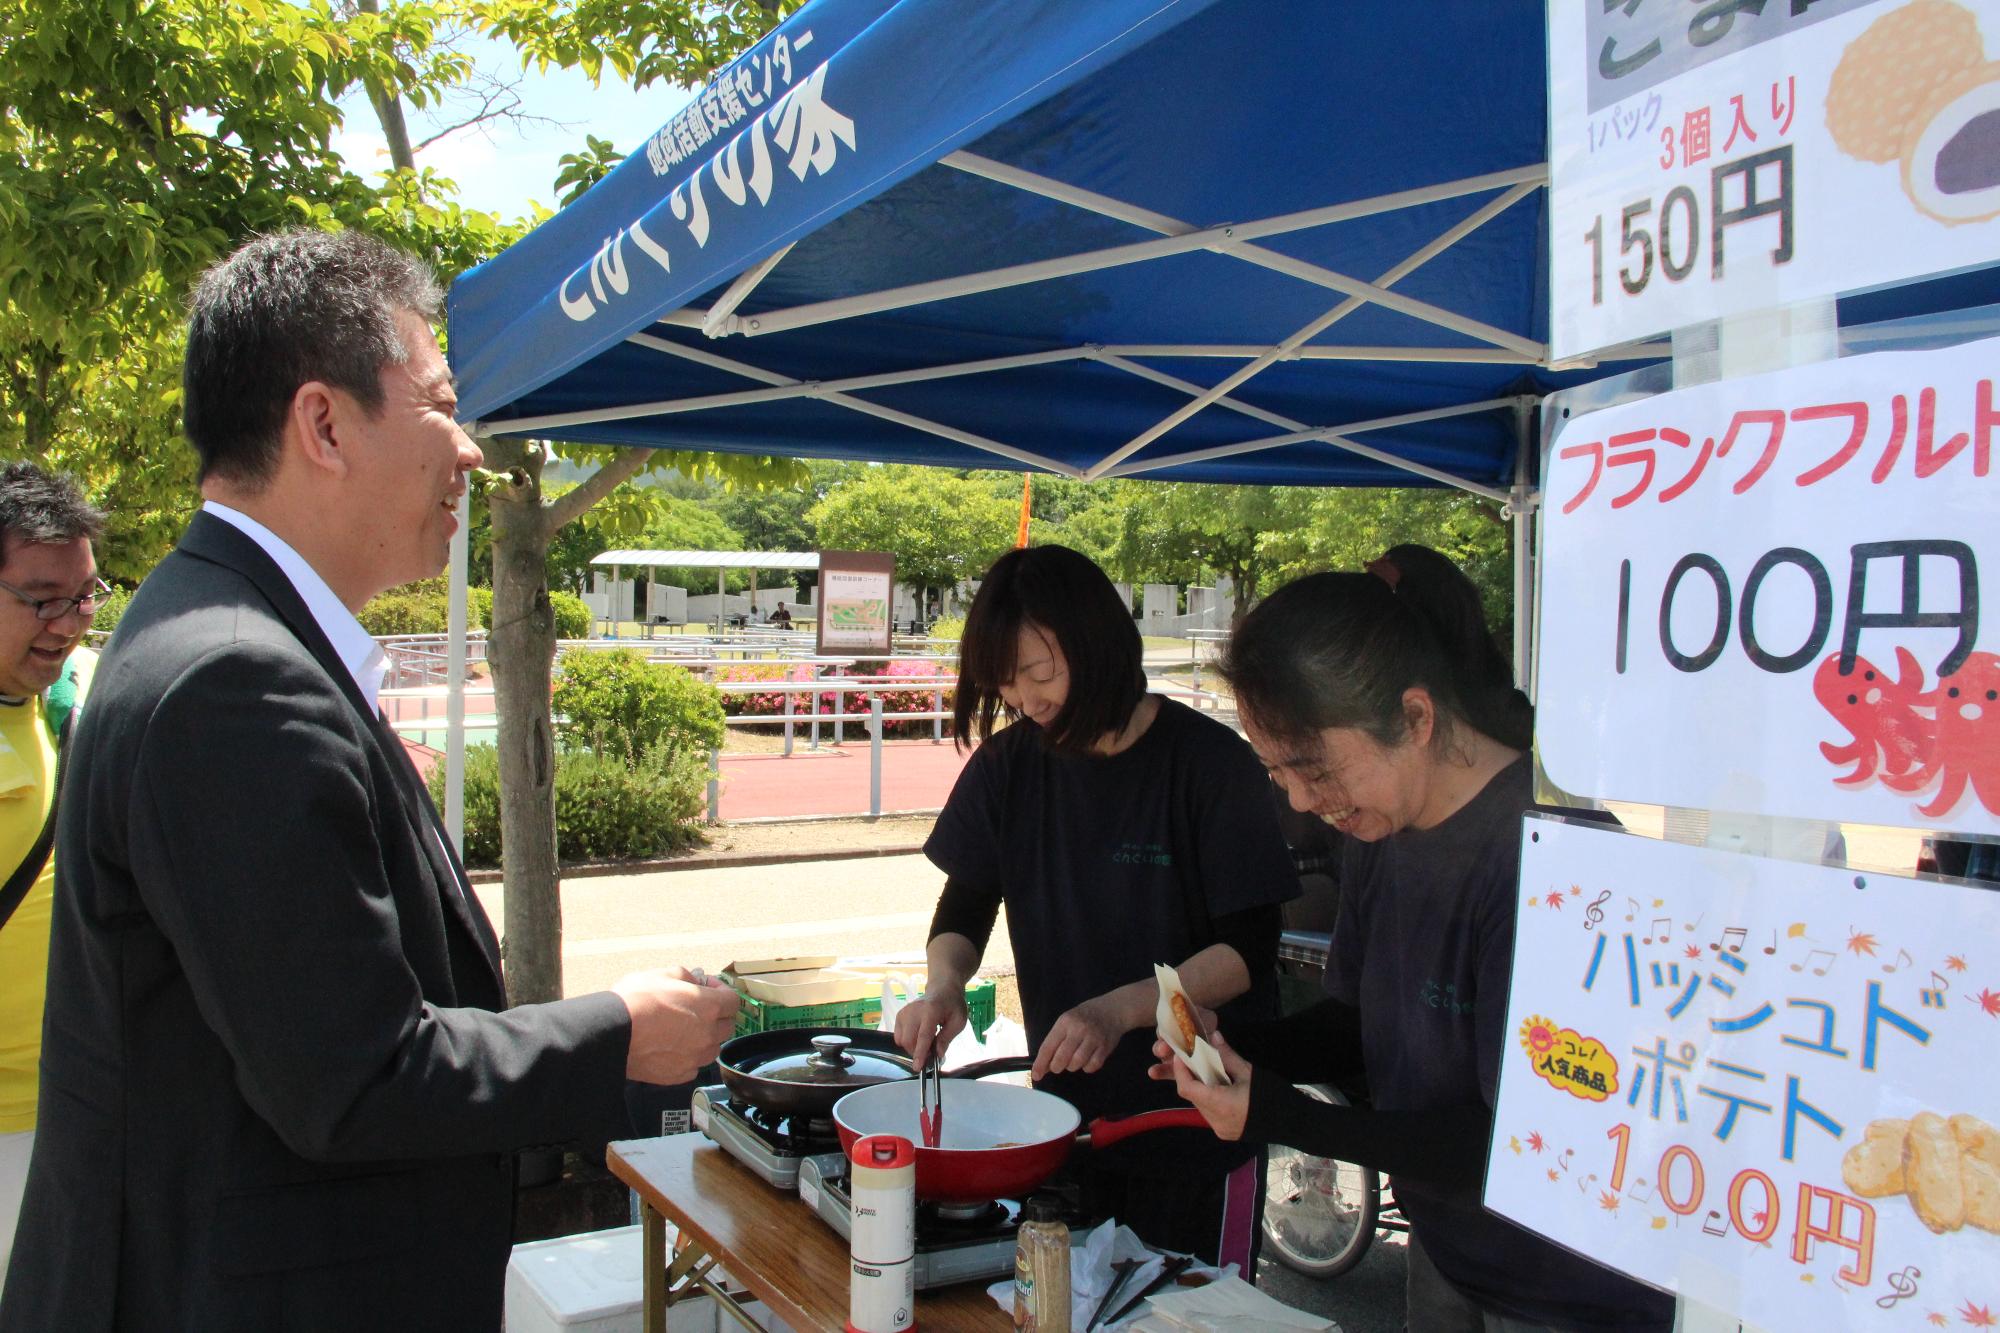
(1027, 491)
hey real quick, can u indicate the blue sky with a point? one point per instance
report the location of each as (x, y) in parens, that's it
(501, 166)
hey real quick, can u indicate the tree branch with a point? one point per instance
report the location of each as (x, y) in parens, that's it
(572, 504)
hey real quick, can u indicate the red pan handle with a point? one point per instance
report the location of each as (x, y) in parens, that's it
(1116, 1129)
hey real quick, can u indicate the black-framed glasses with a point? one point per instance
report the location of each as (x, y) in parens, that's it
(55, 608)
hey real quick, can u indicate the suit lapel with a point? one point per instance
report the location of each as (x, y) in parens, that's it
(210, 538)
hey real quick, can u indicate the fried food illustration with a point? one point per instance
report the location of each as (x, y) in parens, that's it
(1931, 1168)
(1979, 1163)
(1873, 1168)
(1950, 1168)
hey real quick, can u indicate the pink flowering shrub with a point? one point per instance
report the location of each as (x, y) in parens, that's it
(771, 704)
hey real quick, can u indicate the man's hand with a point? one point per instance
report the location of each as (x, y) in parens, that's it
(1227, 1108)
(929, 1022)
(679, 1021)
(1082, 1039)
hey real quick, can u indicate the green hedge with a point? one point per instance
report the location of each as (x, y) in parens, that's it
(424, 608)
(572, 616)
(617, 703)
(607, 809)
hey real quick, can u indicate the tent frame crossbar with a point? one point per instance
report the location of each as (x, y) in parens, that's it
(1176, 237)
(1478, 218)
(1315, 274)
(1206, 238)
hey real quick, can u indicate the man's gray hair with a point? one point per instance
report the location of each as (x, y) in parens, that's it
(282, 311)
(41, 506)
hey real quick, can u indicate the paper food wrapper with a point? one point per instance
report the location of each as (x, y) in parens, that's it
(1206, 1064)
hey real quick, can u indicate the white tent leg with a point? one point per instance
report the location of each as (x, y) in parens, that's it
(455, 650)
(1522, 506)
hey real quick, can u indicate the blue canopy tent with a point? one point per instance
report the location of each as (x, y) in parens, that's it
(1259, 241)
(1266, 241)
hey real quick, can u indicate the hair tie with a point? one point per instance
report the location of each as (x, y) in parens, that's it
(1385, 569)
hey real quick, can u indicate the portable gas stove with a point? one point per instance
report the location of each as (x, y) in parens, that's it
(771, 1146)
(974, 1243)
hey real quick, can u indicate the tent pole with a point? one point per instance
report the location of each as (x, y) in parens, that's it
(742, 287)
(455, 650)
(1521, 506)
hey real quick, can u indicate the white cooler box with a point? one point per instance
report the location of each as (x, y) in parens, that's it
(593, 1283)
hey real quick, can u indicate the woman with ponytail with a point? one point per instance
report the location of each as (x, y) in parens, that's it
(1380, 703)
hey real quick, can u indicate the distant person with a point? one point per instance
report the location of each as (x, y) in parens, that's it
(278, 1088)
(48, 592)
(1119, 829)
(1381, 705)
(781, 616)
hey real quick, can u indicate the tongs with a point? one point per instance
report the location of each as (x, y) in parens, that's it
(930, 1102)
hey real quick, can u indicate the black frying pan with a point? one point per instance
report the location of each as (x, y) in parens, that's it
(813, 1097)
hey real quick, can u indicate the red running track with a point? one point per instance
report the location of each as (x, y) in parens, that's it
(916, 775)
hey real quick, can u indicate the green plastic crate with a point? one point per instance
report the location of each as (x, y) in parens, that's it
(760, 1016)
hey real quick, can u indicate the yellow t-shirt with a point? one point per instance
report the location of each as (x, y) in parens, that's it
(27, 767)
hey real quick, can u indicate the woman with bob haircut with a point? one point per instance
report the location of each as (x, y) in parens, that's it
(1380, 703)
(1119, 829)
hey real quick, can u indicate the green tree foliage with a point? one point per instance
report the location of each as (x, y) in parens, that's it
(1346, 528)
(1179, 532)
(942, 528)
(618, 703)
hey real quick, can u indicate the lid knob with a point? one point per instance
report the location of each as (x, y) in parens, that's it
(830, 1052)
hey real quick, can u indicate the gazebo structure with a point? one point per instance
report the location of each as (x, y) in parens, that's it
(720, 561)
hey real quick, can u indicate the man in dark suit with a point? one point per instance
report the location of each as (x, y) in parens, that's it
(279, 1090)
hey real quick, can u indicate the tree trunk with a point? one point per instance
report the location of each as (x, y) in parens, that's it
(389, 111)
(521, 648)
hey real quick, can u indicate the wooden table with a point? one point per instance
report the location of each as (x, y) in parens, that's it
(771, 1243)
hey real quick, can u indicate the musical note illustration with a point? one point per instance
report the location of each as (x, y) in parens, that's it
(1903, 959)
(1810, 957)
(1933, 995)
(1696, 922)
(1713, 1225)
(1772, 947)
(1633, 903)
(1583, 1185)
(1595, 912)
(1905, 1284)
(1641, 1192)
(1659, 932)
(1563, 1161)
(1732, 938)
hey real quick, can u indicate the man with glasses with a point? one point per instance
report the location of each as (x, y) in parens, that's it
(48, 590)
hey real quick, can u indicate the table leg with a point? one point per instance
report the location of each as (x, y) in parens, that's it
(653, 1236)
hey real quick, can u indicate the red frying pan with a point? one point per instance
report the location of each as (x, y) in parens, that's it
(999, 1142)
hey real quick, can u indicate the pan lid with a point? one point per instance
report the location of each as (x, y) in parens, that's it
(832, 1062)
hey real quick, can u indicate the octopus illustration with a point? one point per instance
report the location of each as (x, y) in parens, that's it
(1886, 717)
(1967, 751)
(1947, 735)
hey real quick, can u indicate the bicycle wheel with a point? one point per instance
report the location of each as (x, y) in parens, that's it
(1319, 1213)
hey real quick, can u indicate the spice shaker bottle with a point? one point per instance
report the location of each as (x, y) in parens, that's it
(882, 1184)
(1041, 1268)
